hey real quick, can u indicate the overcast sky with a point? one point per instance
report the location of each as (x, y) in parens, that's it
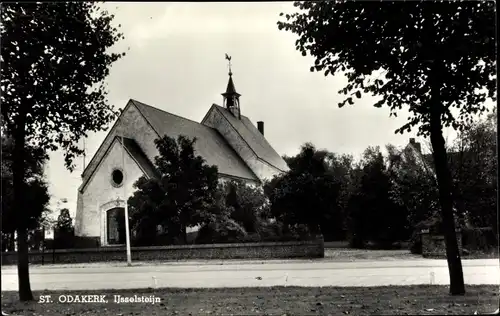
(176, 63)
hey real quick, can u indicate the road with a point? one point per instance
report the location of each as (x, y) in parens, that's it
(250, 274)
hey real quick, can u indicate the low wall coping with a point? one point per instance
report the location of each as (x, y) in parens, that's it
(175, 247)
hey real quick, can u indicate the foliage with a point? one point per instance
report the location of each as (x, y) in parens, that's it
(433, 57)
(248, 203)
(221, 230)
(341, 167)
(182, 195)
(57, 80)
(414, 184)
(373, 213)
(55, 58)
(271, 230)
(64, 221)
(36, 193)
(307, 194)
(473, 163)
(479, 239)
(252, 223)
(407, 42)
(64, 230)
(36, 189)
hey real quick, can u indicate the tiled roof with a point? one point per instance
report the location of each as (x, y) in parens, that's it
(255, 139)
(139, 156)
(210, 144)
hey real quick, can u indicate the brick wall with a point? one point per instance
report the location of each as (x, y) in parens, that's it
(433, 246)
(268, 250)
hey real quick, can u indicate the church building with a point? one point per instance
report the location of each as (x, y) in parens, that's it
(225, 138)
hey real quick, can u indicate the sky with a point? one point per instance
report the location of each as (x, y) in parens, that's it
(175, 62)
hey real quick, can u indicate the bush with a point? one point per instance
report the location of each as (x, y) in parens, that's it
(415, 245)
(221, 230)
(270, 231)
(225, 230)
(64, 238)
(84, 242)
(433, 224)
(479, 239)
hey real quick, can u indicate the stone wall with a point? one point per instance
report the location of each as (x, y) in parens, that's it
(433, 246)
(268, 250)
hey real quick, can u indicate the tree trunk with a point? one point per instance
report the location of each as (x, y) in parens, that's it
(443, 175)
(25, 293)
(18, 173)
(497, 225)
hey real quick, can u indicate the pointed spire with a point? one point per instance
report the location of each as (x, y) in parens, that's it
(230, 90)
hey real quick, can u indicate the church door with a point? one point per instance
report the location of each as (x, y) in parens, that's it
(116, 226)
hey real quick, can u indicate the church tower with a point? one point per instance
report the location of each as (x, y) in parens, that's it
(231, 97)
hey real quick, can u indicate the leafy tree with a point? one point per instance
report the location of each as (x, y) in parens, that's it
(221, 230)
(249, 204)
(219, 227)
(180, 196)
(64, 230)
(414, 184)
(374, 214)
(473, 165)
(64, 221)
(340, 167)
(54, 61)
(36, 192)
(307, 194)
(430, 57)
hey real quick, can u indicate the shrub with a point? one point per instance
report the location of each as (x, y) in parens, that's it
(270, 231)
(479, 239)
(221, 230)
(415, 245)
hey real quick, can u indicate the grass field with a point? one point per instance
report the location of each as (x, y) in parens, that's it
(393, 300)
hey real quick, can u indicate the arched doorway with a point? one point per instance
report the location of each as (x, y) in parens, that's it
(115, 219)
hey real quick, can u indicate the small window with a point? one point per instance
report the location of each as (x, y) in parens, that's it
(117, 177)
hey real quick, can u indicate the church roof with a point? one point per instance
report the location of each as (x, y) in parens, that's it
(210, 144)
(138, 155)
(254, 139)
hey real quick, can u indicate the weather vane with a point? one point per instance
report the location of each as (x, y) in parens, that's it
(229, 63)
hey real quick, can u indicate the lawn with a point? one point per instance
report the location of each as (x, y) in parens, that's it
(393, 300)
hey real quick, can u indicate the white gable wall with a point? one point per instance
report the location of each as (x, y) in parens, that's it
(100, 192)
(136, 128)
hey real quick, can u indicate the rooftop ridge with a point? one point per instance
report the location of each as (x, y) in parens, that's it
(154, 107)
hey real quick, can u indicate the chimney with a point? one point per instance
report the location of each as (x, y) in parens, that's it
(260, 127)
